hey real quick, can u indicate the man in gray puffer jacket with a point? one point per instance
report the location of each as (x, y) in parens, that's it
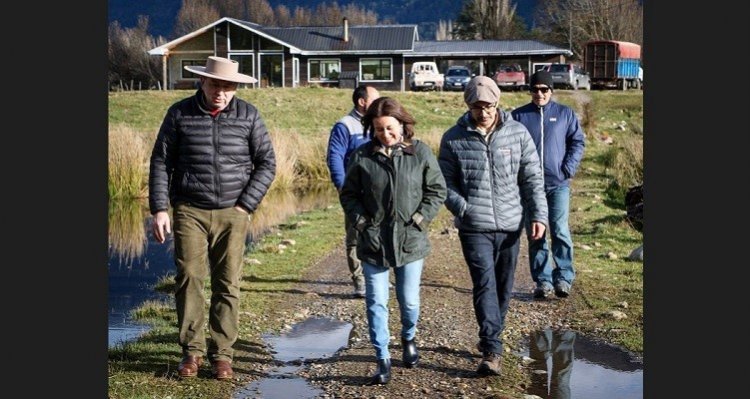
(491, 168)
(213, 162)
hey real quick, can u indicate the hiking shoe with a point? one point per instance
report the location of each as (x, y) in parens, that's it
(490, 364)
(543, 290)
(359, 288)
(562, 289)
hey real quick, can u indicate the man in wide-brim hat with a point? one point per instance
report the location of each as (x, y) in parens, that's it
(219, 80)
(213, 162)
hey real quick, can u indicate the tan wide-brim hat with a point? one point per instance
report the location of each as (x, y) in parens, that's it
(222, 69)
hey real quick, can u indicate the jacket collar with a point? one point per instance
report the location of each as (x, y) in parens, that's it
(407, 148)
(355, 114)
(201, 101)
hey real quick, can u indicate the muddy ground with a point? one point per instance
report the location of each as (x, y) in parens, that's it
(446, 336)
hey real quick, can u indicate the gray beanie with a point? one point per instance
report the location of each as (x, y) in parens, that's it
(541, 78)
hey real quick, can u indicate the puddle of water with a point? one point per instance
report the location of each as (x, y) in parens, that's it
(131, 283)
(314, 338)
(137, 262)
(568, 365)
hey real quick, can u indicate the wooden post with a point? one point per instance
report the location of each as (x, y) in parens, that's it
(164, 70)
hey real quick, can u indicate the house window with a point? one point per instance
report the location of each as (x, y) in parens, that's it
(185, 74)
(266, 44)
(324, 70)
(376, 69)
(239, 39)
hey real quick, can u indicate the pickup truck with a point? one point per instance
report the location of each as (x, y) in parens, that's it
(510, 77)
(425, 76)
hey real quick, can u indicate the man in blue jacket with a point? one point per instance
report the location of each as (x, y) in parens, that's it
(346, 136)
(559, 141)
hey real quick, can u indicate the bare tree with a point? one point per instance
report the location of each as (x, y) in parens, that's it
(327, 15)
(359, 15)
(283, 15)
(128, 54)
(302, 16)
(194, 14)
(488, 19)
(260, 12)
(444, 30)
(231, 8)
(574, 22)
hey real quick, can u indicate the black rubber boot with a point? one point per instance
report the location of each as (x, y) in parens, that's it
(410, 355)
(383, 373)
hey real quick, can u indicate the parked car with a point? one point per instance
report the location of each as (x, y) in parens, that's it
(456, 77)
(510, 77)
(425, 76)
(569, 76)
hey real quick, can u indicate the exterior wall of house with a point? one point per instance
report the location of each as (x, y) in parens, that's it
(259, 58)
(352, 63)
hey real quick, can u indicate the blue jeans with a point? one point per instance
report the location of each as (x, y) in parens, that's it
(491, 258)
(377, 285)
(540, 265)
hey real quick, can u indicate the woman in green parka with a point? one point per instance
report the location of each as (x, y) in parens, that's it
(392, 190)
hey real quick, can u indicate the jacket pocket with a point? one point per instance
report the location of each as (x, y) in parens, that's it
(413, 238)
(370, 239)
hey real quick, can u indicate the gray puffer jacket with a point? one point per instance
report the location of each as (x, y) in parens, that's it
(211, 162)
(490, 182)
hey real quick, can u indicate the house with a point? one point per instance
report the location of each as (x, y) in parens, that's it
(380, 55)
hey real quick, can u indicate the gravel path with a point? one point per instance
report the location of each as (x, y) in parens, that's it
(447, 330)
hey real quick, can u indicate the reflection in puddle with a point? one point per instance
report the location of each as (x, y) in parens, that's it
(137, 262)
(568, 365)
(315, 338)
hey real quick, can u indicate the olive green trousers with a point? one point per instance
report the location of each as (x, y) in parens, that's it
(208, 242)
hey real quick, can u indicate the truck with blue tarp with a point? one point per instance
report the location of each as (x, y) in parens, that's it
(613, 63)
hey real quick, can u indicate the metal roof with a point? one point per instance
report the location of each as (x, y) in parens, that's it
(374, 39)
(436, 48)
(362, 39)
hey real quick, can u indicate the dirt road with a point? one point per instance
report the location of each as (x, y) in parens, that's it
(447, 330)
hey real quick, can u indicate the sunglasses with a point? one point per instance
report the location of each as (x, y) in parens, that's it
(542, 89)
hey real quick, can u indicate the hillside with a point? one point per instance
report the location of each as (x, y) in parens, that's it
(425, 13)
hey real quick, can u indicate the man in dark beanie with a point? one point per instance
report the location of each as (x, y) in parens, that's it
(559, 142)
(541, 78)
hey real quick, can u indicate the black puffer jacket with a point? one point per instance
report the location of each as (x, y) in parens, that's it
(211, 162)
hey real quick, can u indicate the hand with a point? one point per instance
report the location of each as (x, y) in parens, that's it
(241, 209)
(161, 226)
(537, 230)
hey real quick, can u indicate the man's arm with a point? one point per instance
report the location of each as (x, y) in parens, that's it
(531, 181)
(449, 167)
(264, 166)
(574, 145)
(338, 143)
(161, 164)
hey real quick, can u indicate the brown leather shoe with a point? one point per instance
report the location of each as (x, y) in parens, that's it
(222, 369)
(189, 366)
